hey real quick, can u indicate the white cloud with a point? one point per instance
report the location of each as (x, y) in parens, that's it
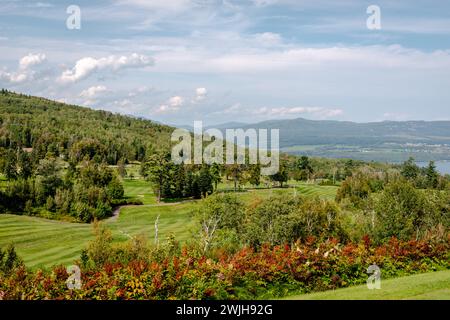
(295, 58)
(31, 60)
(200, 94)
(176, 101)
(24, 72)
(93, 91)
(173, 104)
(86, 66)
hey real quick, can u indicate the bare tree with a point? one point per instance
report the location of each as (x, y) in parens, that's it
(209, 228)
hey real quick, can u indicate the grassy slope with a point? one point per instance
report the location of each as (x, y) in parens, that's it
(43, 243)
(435, 285)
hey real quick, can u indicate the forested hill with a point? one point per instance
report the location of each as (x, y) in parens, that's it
(316, 132)
(46, 127)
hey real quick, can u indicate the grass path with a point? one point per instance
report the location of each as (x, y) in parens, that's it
(426, 286)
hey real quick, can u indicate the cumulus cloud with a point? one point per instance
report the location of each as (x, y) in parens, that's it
(176, 101)
(93, 92)
(25, 71)
(200, 94)
(173, 104)
(86, 66)
(31, 60)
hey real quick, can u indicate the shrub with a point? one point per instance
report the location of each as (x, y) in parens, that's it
(405, 212)
(99, 250)
(272, 271)
(9, 260)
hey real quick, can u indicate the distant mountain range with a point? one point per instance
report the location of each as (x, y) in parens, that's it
(382, 141)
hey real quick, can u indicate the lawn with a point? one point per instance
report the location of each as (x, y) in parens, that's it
(294, 188)
(139, 189)
(427, 286)
(43, 243)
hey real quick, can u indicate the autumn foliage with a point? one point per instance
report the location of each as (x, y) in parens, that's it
(247, 274)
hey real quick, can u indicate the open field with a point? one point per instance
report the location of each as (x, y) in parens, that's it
(43, 243)
(429, 286)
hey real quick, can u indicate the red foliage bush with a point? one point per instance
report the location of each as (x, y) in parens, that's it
(247, 274)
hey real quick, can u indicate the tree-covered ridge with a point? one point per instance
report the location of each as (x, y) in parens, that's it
(73, 132)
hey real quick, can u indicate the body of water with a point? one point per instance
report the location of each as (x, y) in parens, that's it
(442, 166)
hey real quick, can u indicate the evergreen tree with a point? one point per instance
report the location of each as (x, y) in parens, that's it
(255, 174)
(410, 170)
(179, 181)
(215, 174)
(157, 170)
(25, 165)
(281, 176)
(196, 193)
(205, 181)
(188, 190)
(10, 168)
(432, 175)
(305, 168)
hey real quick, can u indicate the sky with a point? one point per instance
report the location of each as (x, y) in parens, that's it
(216, 61)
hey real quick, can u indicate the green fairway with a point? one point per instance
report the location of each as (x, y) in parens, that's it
(435, 285)
(43, 243)
(294, 188)
(139, 189)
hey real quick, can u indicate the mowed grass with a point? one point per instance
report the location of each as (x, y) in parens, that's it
(41, 242)
(44, 243)
(426, 286)
(297, 189)
(139, 189)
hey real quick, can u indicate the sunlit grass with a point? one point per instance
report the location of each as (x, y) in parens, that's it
(43, 243)
(430, 286)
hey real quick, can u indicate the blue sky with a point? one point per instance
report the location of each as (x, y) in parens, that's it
(177, 61)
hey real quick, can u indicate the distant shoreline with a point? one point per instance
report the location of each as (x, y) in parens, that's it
(443, 166)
